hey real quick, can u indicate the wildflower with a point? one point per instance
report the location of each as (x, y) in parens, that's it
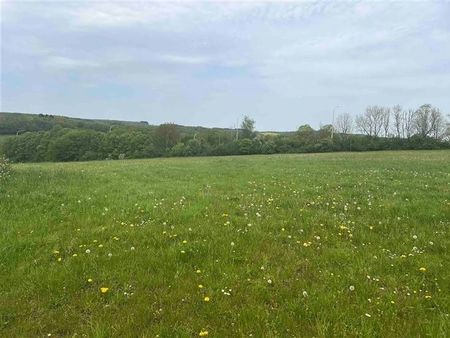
(206, 299)
(305, 294)
(351, 288)
(414, 236)
(110, 255)
(200, 286)
(74, 255)
(104, 289)
(203, 333)
(427, 297)
(232, 243)
(269, 281)
(89, 280)
(88, 251)
(59, 259)
(422, 269)
(368, 315)
(198, 271)
(132, 248)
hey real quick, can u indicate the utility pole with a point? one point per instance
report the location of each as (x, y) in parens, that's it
(332, 124)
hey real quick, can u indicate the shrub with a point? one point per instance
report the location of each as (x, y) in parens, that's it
(5, 168)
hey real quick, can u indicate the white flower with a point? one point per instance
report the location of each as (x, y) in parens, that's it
(304, 293)
(269, 281)
(132, 248)
(415, 237)
(88, 251)
(351, 288)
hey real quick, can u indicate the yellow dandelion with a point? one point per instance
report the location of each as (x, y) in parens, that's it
(104, 290)
(422, 269)
(89, 280)
(59, 259)
(200, 286)
(203, 333)
(198, 271)
(206, 299)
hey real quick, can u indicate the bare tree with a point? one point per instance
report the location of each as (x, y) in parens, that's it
(344, 123)
(437, 123)
(372, 121)
(429, 122)
(398, 120)
(408, 123)
(386, 115)
(422, 120)
(364, 124)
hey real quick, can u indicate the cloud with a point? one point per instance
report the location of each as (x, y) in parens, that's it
(285, 63)
(62, 62)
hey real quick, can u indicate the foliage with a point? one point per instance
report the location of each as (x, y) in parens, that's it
(121, 141)
(248, 127)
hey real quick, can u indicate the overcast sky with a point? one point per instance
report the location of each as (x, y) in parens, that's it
(198, 63)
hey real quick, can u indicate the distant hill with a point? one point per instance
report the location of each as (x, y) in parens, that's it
(12, 123)
(17, 123)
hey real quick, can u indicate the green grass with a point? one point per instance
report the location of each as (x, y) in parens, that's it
(290, 235)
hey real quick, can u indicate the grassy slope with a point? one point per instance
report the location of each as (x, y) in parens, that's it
(326, 222)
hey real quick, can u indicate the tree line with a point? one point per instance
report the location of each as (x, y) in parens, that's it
(380, 128)
(378, 121)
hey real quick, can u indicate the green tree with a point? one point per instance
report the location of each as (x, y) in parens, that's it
(167, 135)
(248, 127)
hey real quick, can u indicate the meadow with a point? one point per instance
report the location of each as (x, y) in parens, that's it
(338, 244)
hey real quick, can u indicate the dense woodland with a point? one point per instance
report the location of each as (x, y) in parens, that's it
(37, 138)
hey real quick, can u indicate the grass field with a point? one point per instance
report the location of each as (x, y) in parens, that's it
(254, 246)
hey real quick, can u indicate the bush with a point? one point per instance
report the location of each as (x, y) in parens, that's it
(5, 168)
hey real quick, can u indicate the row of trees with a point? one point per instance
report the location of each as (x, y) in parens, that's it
(377, 121)
(382, 128)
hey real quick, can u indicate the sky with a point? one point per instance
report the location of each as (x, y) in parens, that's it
(210, 63)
